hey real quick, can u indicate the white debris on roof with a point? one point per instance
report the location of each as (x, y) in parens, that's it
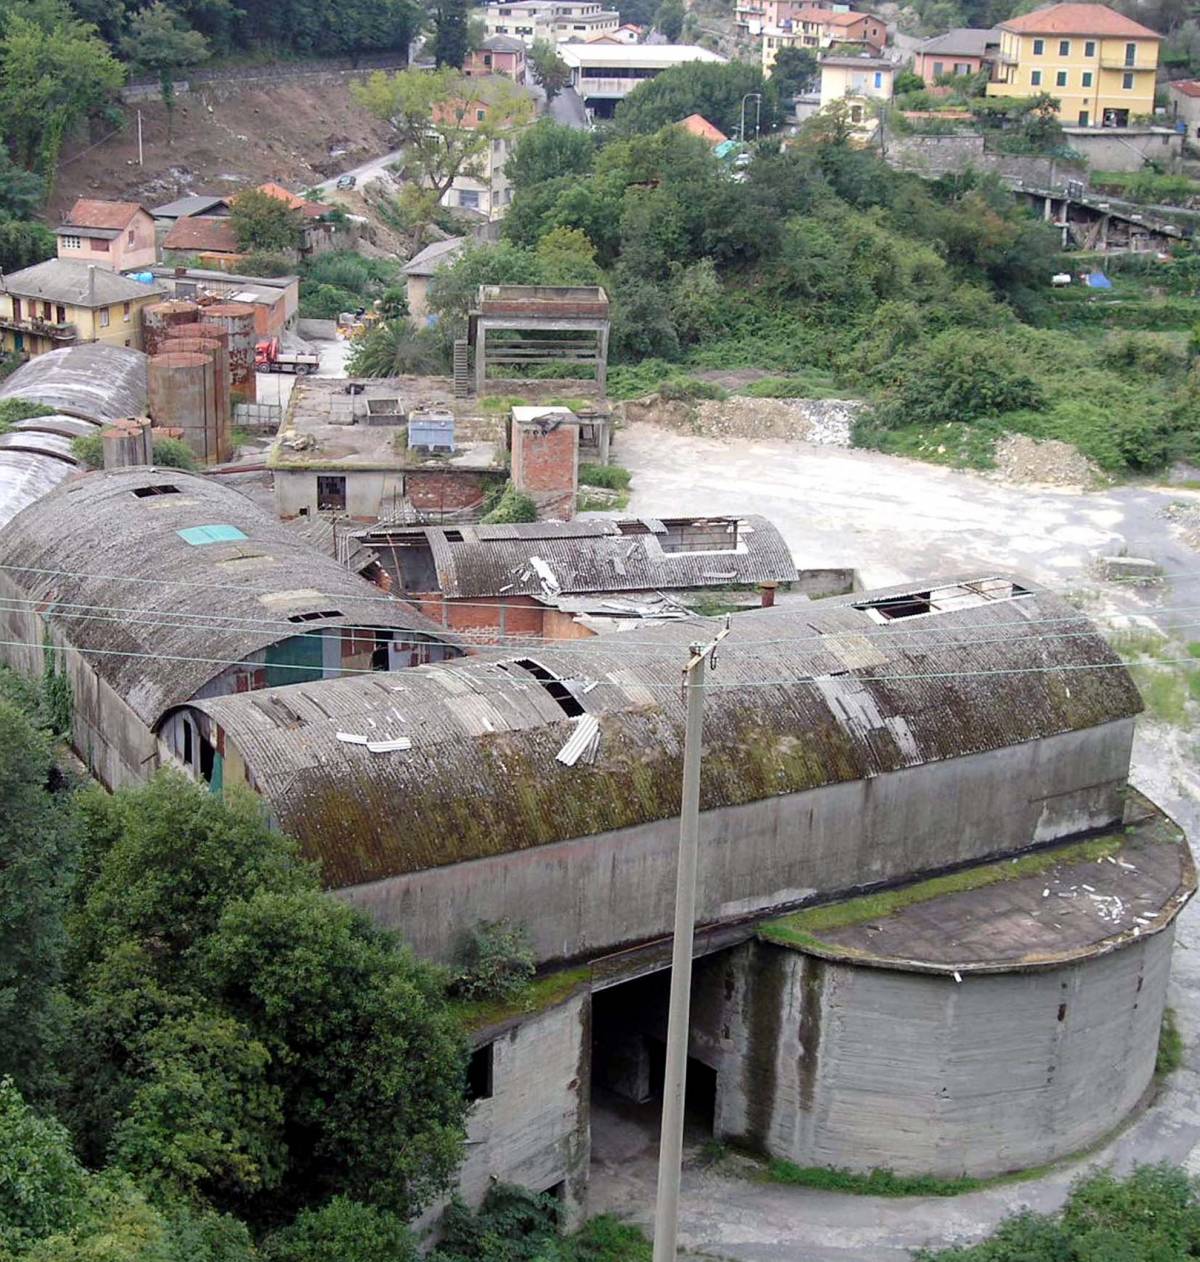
(584, 742)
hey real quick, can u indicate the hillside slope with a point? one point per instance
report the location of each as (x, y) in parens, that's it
(226, 136)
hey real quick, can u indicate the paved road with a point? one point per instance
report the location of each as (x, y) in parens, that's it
(367, 172)
(894, 519)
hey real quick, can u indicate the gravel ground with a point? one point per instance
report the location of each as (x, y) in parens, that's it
(1044, 461)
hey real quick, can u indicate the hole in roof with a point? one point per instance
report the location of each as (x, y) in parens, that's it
(315, 616)
(554, 686)
(198, 536)
(144, 492)
(453, 536)
(946, 599)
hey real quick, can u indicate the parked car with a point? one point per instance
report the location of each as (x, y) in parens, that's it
(347, 181)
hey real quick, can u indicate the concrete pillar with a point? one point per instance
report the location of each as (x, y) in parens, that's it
(602, 360)
(480, 357)
(123, 445)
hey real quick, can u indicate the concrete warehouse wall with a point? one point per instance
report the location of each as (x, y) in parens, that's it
(594, 893)
(534, 1129)
(834, 1064)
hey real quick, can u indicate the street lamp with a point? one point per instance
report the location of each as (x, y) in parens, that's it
(757, 114)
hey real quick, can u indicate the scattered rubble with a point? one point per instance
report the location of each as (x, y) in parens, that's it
(1020, 458)
(825, 422)
(1185, 521)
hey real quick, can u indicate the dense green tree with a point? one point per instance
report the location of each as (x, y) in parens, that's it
(795, 70)
(713, 89)
(549, 151)
(55, 73)
(451, 38)
(160, 42)
(393, 348)
(566, 257)
(549, 71)
(669, 19)
(23, 243)
(263, 222)
(38, 843)
(21, 192)
(343, 1230)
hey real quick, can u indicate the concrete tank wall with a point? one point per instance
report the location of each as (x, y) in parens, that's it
(770, 853)
(833, 1064)
(183, 396)
(237, 320)
(159, 317)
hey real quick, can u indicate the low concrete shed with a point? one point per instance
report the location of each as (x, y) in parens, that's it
(861, 748)
(158, 586)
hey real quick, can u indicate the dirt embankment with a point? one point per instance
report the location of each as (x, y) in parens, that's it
(225, 137)
(823, 421)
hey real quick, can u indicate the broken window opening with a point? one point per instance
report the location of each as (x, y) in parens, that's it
(206, 759)
(331, 493)
(187, 743)
(941, 599)
(554, 686)
(144, 492)
(903, 606)
(453, 536)
(315, 616)
(480, 1073)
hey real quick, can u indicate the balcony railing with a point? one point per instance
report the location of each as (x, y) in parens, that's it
(43, 328)
(1118, 63)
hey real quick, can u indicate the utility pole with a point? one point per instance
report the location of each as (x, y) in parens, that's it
(670, 1150)
(140, 162)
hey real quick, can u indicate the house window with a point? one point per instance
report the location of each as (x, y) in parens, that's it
(487, 59)
(104, 317)
(1060, 79)
(938, 69)
(47, 311)
(1083, 118)
(1089, 48)
(856, 113)
(962, 67)
(61, 313)
(879, 78)
(1087, 79)
(99, 245)
(331, 493)
(1039, 47)
(1064, 47)
(71, 243)
(1127, 82)
(125, 308)
(1035, 78)
(468, 198)
(1130, 54)
(480, 115)
(480, 1073)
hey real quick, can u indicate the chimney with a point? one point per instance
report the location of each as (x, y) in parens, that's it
(768, 594)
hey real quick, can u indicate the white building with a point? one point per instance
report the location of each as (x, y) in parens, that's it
(556, 21)
(604, 74)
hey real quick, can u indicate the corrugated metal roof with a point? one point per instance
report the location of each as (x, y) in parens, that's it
(127, 583)
(482, 776)
(93, 381)
(67, 426)
(546, 558)
(25, 478)
(55, 445)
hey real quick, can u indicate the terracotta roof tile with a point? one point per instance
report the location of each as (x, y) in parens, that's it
(1189, 87)
(90, 213)
(698, 125)
(202, 232)
(1078, 19)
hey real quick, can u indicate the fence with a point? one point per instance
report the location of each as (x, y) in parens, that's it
(259, 417)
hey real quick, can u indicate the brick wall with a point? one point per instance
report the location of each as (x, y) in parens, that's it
(545, 465)
(487, 619)
(435, 491)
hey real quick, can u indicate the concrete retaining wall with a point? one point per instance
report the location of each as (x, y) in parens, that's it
(837, 1065)
(603, 891)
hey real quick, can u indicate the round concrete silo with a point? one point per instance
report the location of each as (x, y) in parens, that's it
(214, 348)
(182, 390)
(238, 321)
(158, 317)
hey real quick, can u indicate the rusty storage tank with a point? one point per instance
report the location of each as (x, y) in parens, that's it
(207, 333)
(183, 396)
(237, 319)
(158, 317)
(222, 402)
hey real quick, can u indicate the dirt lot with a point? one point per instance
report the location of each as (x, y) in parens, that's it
(295, 133)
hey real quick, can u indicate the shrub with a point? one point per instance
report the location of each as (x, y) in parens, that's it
(174, 453)
(512, 506)
(14, 410)
(88, 450)
(496, 961)
(689, 389)
(394, 348)
(267, 265)
(1170, 1045)
(342, 1230)
(611, 476)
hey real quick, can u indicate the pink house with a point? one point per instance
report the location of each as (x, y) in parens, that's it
(118, 236)
(498, 54)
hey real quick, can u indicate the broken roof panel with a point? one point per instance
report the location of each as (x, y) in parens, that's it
(159, 617)
(544, 559)
(482, 777)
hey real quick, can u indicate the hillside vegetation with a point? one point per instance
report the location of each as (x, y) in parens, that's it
(932, 300)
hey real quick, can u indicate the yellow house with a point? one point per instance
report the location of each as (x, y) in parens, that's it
(1098, 64)
(61, 302)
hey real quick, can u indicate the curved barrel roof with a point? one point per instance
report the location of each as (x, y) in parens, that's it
(92, 381)
(833, 691)
(164, 579)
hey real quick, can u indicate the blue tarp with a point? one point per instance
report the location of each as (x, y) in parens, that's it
(1097, 280)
